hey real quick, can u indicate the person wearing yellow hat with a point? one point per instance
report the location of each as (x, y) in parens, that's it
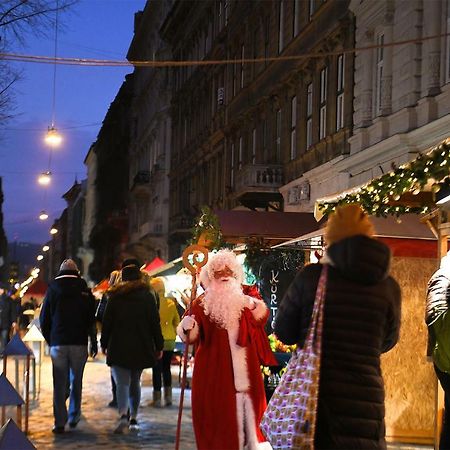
(169, 319)
(361, 321)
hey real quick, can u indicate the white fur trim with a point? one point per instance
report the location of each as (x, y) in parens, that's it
(193, 334)
(260, 309)
(239, 359)
(246, 423)
(240, 418)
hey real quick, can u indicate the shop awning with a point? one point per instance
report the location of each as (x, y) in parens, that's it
(170, 268)
(238, 225)
(154, 264)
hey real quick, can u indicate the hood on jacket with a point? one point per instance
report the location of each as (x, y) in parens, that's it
(67, 281)
(361, 259)
(125, 287)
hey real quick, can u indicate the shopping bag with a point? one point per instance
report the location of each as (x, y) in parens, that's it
(290, 417)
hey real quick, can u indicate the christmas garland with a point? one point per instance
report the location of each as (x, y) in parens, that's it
(382, 196)
(206, 230)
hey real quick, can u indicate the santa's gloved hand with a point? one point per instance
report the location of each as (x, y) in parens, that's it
(187, 323)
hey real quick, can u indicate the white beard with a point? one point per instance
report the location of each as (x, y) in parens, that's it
(223, 302)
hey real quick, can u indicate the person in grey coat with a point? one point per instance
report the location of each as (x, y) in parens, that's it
(361, 321)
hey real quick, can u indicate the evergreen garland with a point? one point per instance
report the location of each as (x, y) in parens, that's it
(207, 226)
(379, 197)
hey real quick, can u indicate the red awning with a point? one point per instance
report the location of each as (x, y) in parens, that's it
(101, 287)
(238, 225)
(154, 264)
(37, 289)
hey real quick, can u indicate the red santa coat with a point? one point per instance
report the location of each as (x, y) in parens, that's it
(214, 406)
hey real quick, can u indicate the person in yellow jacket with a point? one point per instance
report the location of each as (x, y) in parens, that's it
(169, 319)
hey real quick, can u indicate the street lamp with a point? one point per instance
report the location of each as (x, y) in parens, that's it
(53, 230)
(53, 138)
(45, 178)
(40, 257)
(45, 248)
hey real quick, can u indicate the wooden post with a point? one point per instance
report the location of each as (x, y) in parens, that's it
(19, 416)
(27, 393)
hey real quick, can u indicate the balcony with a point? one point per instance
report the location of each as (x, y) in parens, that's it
(181, 224)
(141, 183)
(257, 186)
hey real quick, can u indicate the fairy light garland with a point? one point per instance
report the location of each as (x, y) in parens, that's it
(378, 197)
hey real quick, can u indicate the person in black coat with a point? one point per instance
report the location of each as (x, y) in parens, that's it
(131, 339)
(8, 317)
(361, 321)
(67, 320)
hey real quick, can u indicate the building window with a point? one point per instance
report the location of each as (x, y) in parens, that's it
(379, 73)
(280, 26)
(296, 17)
(311, 8)
(293, 127)
(309, 110)
(242, 65)
(254, 146)
(232, 164)
(447, 62)
(241, 151)
(340, 92)
(278, 135)
(323, 103)
(266, 39)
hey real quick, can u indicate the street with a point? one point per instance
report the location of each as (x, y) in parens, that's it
(157, 426)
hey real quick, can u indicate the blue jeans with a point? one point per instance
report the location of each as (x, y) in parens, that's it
(128, 389)
(68, 366)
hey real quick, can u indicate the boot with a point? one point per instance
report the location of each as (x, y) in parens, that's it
(156, 403)
(167, 395)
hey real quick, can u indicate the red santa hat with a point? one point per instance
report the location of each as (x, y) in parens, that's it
(217, 262)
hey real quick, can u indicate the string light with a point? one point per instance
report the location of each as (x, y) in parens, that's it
(43, 216)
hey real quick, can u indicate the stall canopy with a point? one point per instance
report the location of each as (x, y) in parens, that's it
(407, 236)
(154, 264)
(236, 226)
(171, 268)
(101, 287)
(37, 289)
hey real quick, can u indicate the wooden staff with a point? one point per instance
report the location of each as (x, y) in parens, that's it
(195, 250)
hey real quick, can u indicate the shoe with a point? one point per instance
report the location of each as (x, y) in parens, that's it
(112, 404)
(167, 395)
(122, 425)
(57, 430)
(156, 403)
(133, 426)
(73, 424)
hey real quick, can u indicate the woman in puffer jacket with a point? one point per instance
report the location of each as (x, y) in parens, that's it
(361, 321)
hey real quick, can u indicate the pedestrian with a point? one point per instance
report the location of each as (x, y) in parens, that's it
(8, 318)
(114, 278)
(438, 322)
(169, 320)
(131, 340)
(227, 327)
(67, 320)
(361, 321)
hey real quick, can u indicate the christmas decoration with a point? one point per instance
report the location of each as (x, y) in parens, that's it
(206, 231)
(397, 192)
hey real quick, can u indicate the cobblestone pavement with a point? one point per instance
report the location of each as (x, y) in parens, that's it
(157, 425)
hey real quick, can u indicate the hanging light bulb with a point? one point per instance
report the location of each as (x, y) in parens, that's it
(45, 248)
(40, 257)
(53, 230)
(53, 138)
(43, 215)
(45, 178)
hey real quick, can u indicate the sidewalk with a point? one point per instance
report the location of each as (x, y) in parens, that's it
(157, 425)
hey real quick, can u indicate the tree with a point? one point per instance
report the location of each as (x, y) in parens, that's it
(20, 19)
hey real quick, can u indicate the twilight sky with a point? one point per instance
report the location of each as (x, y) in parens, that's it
(100, 29)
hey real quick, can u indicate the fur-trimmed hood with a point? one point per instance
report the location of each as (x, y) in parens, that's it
(126, 287)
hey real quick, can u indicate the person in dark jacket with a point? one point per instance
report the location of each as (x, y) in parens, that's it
(67, 319)
(131, 339)
(361, 320)
(8, 317)
(438, 322)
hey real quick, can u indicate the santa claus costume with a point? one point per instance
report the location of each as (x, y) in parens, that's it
(227, 327)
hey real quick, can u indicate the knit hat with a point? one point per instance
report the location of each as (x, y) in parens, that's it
(131, 262)
(130, 273)
(68, 264)
(348, 220)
